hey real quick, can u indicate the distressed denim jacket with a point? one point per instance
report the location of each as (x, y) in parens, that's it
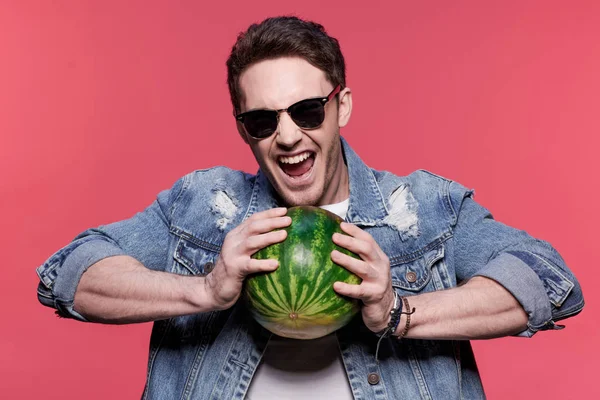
(433, 232)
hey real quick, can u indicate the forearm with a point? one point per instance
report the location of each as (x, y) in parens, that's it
(120, 290)
(479, 309)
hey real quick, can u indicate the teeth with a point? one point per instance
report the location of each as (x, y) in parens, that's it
(294, 160)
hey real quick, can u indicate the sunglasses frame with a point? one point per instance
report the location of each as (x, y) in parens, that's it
(323, 100)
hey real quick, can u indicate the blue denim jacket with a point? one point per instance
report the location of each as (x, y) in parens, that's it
(433, 232)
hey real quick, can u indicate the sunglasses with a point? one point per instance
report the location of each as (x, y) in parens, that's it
(307, 114)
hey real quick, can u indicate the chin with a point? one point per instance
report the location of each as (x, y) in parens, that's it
(299, 199)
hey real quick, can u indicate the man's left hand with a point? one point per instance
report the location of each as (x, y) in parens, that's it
(373, 268)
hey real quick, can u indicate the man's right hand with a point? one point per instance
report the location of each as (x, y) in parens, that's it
(224, 284)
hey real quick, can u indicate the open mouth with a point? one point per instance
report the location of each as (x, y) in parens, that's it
(298, 166)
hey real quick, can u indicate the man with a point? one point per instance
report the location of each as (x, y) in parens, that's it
(425, 247)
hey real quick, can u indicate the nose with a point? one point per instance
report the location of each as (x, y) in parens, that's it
(288, 133)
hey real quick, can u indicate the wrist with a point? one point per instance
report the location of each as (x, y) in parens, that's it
(393, 316)
(197, 293)
(404, 320)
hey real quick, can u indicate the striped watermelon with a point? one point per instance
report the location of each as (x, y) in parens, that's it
(297, 300)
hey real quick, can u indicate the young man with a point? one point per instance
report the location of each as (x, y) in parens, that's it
(424, 244)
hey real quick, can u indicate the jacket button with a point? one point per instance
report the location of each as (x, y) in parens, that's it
(208, 267)
(373, 379)
(411, 277)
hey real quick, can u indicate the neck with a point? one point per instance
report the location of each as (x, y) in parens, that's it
(339, 187)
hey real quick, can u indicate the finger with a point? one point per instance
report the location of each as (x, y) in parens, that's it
(382, 255)
(257, 242)
(253, 266)
(267, 225)
(356, 232)
(358, 267)
(364, 249)
(270, 213)
(350, 290)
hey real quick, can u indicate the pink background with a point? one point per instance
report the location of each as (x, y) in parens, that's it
(105, 103)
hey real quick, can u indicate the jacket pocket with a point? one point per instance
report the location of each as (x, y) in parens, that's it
(412, 273)
(193, 256)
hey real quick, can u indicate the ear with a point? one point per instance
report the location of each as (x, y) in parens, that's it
(345, 107)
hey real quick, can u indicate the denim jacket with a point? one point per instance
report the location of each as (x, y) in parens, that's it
(433, 232)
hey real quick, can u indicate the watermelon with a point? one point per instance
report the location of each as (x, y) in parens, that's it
(297, 300)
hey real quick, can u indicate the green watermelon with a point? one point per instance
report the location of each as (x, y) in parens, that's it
(297, 300)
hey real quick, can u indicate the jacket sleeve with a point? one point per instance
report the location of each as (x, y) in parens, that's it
(529, 268)
(144, 237)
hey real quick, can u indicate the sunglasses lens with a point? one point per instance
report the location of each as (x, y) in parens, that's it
(308, 114)
(260, 123)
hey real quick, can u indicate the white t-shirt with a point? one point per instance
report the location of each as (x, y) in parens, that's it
(302, 369)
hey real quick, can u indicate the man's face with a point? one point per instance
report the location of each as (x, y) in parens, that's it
(305, 166)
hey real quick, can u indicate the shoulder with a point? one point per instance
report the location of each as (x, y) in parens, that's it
(206, 202)
(217, 176)
(203, 182)
(436, 195)
(213, 186)
(210, 180)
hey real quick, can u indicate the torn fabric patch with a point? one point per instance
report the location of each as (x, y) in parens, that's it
(225, 207)
(403, 213)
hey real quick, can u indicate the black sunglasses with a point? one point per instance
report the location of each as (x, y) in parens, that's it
(307, 114)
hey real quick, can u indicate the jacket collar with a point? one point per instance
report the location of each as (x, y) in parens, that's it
(366, 207)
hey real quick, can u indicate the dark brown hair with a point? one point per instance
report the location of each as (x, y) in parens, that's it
(284, 37)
